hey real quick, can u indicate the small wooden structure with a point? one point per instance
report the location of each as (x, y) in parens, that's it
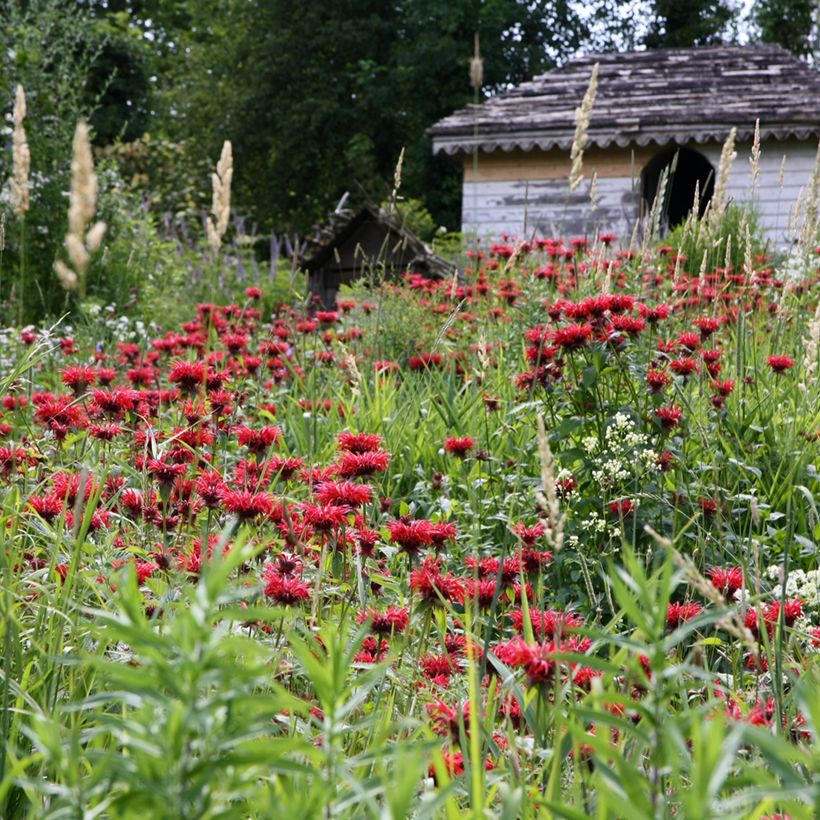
(370, 245)
(650, 107)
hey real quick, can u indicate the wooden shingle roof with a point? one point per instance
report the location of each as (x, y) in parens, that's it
(397, 242)
(666, 95)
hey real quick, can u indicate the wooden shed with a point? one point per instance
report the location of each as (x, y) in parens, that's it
(369, 244)
(650, 106)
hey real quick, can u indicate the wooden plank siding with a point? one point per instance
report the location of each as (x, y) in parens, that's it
(523, 193)
(772, 202)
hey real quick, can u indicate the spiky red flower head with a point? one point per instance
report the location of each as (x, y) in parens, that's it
(678, 613)
(247, 505)
(573, 337)
(79, 378)
(669, 417)
(433, 586)
(165, 472)
(657, 380)
(622, 508)
(286, 590)
(389, 620)
(726, 580)
(352, 465)
(547, 623)
(459, 446)
(411, 535)
(188, 375)
(344, 493)
(780, 364)
(257, 441)
(325, 517)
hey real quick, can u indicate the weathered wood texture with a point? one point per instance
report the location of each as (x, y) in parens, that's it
(548, 208)
(658, 96)
(524, 194)
(773, 201)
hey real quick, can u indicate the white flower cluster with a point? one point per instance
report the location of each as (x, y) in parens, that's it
(122, 328)
(625, 453)
(799, 584)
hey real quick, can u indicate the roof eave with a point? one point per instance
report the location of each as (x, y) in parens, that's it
(457, 143)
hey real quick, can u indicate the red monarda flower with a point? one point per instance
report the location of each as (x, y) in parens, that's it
(247, 505)
(529, 535)
(352, 465)
(411, 535)
(284, 589)
(459, 446)
(325, 517)
(622, 508)
(210, 487)
(726, 580)
(257, 441)
(669, 417)
(678, 613)
(657, 380)
(359, 442)
(344, 493)
(780, 364)
(385, 622)
(432, 586)
(164, 472)
(573, 337)
(546, 623)
(188, 375)
(78, 378)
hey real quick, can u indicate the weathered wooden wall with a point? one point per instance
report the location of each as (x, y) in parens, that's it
(773, 201)
(527, 193)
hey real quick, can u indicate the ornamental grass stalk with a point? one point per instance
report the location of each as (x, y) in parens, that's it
(80, 241)
(217, 222)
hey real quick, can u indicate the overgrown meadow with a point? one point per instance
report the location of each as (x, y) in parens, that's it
(539, 542)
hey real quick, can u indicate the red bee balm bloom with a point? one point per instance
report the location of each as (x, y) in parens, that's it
(459, 446)
(410, 535)
(726, 580)
(780, 364)
(669, 417)
(284, 589)
(188, 375)
(358, 464)
(679, 613)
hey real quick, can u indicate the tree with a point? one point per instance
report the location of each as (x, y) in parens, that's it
(319, 98)
(791, 23)
(683, 23)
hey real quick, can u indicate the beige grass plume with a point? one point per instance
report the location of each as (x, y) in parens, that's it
(718, 202)
(217, 223)
(21, 157)
(476, 66)
(582, 117)
(754, 159)
(810, 348)
(80, 241)
(547, 495)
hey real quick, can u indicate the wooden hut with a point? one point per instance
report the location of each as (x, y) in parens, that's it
(650, 107)
(370, 245)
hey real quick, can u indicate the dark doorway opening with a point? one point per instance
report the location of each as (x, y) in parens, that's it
(687, 169)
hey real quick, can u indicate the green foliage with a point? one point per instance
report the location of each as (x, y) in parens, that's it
(50, 49)
(697, 238)
(683, 23)
(163, 175)
(793, 24)
(412, 214)
(353, 83)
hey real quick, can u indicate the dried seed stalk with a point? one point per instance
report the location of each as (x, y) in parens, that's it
(217, 223)
(582, 117)
(21, 157)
